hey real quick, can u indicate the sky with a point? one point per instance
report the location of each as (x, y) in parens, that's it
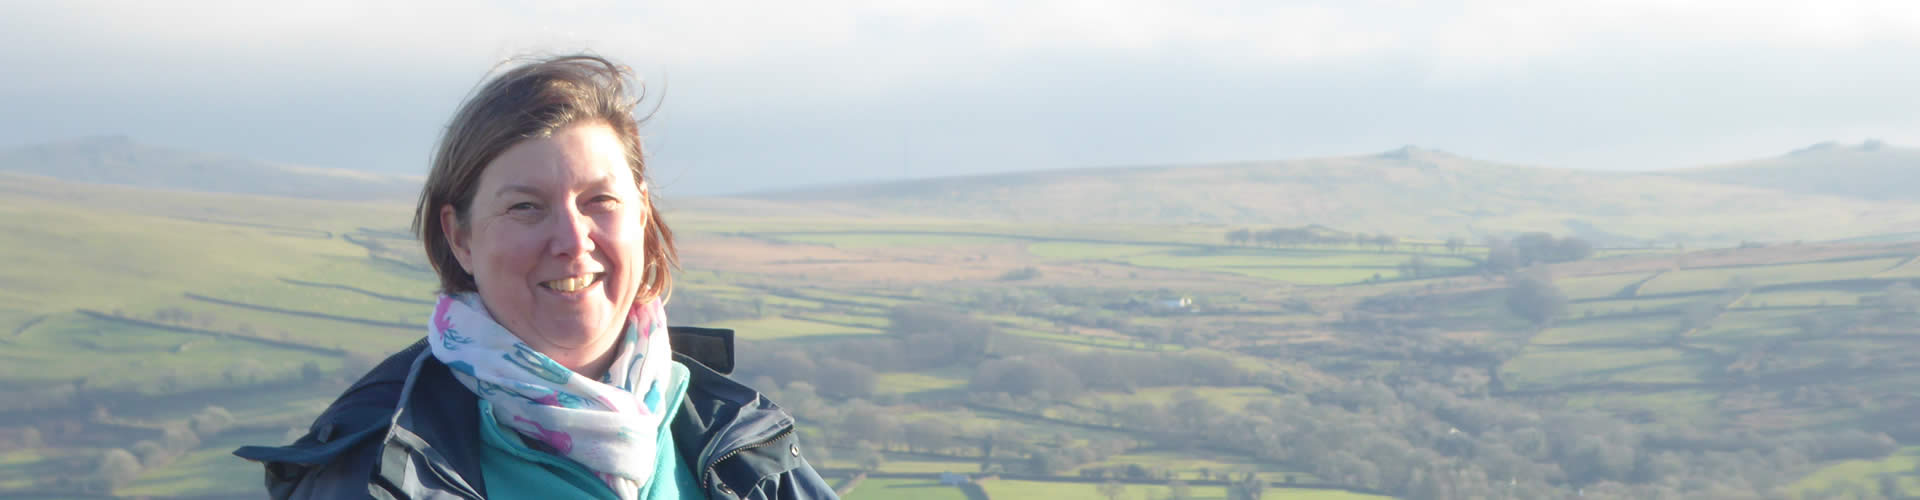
(753, 96)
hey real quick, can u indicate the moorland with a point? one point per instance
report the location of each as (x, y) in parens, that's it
(1411, 324)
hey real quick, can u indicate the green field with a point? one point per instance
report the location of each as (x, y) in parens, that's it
(1545, 367)
(1225, 398)
(1740, 327)
(1803, 298)
(883, 240)
(1598, 286)
(1865, 474)
(904, 489)
(908, 383)
(1694, 280)
(788, 329)
(1631, 306)
(67, 348)
(1070, 251)
(207, 470)
(140, 256)
(1640, 330)
(1034, 490)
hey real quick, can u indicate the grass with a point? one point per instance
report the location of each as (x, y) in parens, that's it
(1685, 405)
(1741, 327)
(1088, 340)
(1604, 285)
(1225, 398)
(888, 240)
(905, 489)
(1189, 464)
(325, 300)
(1328, 276)
(1542, 367)
(16, 467)
(1630, 306)
(1602, 331)
(1036, 490)
(867, 321)
(912, 382)
(788, 329)
(1693, 280)
(1057, 250)
(70, 347)
(320, 332)
(1803, 298)
(210, 469)
(1865, 473)
(63, 259)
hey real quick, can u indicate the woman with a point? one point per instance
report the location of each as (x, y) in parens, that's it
(547, 369)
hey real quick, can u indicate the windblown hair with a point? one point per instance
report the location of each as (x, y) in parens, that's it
(532, 101)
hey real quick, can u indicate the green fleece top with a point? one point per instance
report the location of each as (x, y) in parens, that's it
(514, 470)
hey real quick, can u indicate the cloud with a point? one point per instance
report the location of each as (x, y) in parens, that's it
(857, 89)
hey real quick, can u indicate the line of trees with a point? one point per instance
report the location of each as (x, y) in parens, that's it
(1534, 248)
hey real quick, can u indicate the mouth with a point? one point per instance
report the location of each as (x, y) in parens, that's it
(573, 284)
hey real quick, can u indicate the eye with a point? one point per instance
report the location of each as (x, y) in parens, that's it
(522, 207)
(603, 202)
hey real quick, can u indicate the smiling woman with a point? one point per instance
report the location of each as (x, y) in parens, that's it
(547, 370)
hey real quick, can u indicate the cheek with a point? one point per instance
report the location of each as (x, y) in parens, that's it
(506, 252)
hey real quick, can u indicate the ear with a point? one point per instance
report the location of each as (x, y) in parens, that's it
(456, 235)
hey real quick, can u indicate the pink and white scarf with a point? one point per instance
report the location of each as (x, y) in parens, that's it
(612, 425)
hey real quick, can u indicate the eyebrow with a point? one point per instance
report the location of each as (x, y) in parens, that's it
(604, 179)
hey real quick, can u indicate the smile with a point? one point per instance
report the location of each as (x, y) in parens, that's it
(572, 284)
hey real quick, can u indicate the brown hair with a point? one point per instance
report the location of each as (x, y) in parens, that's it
(533, 101)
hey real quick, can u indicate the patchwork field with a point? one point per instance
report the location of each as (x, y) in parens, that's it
(122, 320)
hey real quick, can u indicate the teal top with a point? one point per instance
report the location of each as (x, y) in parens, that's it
(514, 470)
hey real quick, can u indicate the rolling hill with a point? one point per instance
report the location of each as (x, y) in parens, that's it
(117, 160)
(1408, 191)
(1870, 170)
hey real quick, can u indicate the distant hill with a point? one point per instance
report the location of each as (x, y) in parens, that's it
(1871, 170)
(1407, 191)
(119, 160)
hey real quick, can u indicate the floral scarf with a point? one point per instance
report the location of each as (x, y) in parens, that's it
(611, 426)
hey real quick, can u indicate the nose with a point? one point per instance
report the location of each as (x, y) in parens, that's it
(573, 233)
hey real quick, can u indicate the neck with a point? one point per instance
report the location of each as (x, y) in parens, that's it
(589, 361)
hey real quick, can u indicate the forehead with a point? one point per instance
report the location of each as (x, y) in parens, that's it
(585, 153)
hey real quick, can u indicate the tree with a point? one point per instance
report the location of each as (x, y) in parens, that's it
(929, 434)
(117, 467)
(30, 438)
(1112, 490)
(1247, 488)
(150, 453)
(867, 456)
(845, 379)
(1414, 267)
(1571, 249)
(310, 371)
(1534, 247)
(1455, 243)
(1501, 257)
(1534, 298)
(1178, 490)
(211, 420)
(1239, 236)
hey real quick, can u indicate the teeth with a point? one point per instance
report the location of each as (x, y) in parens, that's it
(573, 284)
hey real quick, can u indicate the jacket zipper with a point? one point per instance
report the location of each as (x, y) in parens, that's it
(706, 479)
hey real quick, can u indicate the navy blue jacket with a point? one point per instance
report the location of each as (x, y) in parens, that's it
(409, 430)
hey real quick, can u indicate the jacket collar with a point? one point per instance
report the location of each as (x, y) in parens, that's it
(721, 417)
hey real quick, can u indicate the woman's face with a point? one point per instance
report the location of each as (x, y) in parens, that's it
(554, 240)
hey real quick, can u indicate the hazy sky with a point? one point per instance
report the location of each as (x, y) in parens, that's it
(763, 95)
